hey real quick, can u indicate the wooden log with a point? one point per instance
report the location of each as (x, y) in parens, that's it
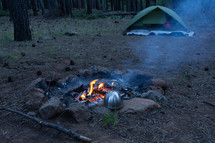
(50, 125)
(118, 13)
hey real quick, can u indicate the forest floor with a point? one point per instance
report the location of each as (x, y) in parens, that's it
(185, 63)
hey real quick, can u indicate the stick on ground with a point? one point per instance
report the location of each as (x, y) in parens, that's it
(50, 125)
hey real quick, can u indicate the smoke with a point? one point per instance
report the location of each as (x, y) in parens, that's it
(165, 53)
(198, 11)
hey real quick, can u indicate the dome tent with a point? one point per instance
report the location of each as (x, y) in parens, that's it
(156, 18)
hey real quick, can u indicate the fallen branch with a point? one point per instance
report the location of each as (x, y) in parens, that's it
(119, 13)
(211, 104)
(50, 125)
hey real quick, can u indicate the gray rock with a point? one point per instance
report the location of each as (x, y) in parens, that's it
(74, 82)
(33, 84)
(159, 82)
(52, 78)
(71, 33)
(99, 109)
(94, 72)
(79, 112)
(154, 95)
(138, 105)
(155, 88)
(36, 98)
(48, 38)
(52, 108)
(31, 113)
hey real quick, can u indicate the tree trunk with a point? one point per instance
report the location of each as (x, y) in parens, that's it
(106, 5)
(116, 5)
(40, 4)
(122, 5)
(61, 10)
(141, 4)
(89, 6)
(134, 5)
(111, 3)
(147, 3)
(68, 5)
(34, 8)
(9, 4)
(75, 3)
(46, 5)
(82, 4)
(20, 20)
(128, 3)
(52, 8)
(97, 4)
(4, 5)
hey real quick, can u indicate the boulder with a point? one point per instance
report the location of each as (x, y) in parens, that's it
(154, 95)
(36, 98)
(33, 84)
(138, 105)
(52, 108)
(31, 113)
(94, 72)
(159, 82)
(52, 78)
(155, 88)
(78, 112)
(71, 33)
(48, 38)
(99, 109)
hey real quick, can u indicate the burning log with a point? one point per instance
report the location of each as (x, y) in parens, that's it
(50, 125)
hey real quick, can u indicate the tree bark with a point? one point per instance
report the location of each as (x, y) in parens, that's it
(122, 5)
(46, 4)
(40, 4)
(128, 3)
(68, 4)
(75, 3)
(4, 5)
(34, 8)
(20, 20)
(82, 4)
(89, 6)
(52, 8)
(141, 4)
(61, 10)
(117, 5)
(134, 5)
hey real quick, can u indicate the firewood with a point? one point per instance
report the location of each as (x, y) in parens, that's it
(50, 125)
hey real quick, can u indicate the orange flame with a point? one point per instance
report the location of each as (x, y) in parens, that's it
(112, 83)
(83, 96)
(91, 86)
(101, 85)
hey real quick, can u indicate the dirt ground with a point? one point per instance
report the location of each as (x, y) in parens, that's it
(186, 63)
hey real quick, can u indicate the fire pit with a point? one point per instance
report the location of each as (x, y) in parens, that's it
(92, 87)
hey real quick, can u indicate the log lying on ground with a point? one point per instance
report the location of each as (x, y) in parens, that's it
(50, 125)
(118, 13)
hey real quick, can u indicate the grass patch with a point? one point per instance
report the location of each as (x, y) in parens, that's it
(110, 119)
(51, 53)
(12, 56)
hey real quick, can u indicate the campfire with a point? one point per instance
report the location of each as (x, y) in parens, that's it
(95, 93)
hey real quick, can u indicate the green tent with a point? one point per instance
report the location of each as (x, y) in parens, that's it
(157, 17)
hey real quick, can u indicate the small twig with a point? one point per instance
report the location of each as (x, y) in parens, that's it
(50, 125)
(211, 104)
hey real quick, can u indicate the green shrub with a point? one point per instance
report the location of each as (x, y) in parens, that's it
(110, 118)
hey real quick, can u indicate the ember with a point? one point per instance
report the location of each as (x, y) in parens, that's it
(95, 93)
